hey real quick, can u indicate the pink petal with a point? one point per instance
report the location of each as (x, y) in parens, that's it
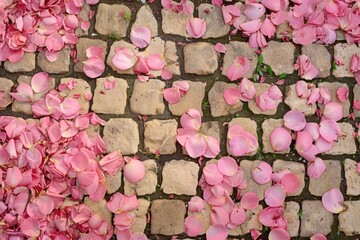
(172, 95)
(124, 59)
(329, 130)
(196, 204)
(237, 215)
(247, 90)
(46, 204)
(290, 183)
(275, 93)
(193, 227)
(122, 203)
(166, 74)
(54, 42)
(254, 11)
(220, 216)
(196, 146)
(342, 94)
(333, 201)
(239, 145)
(275, 195)
(310, 154)
(294, 120)
(280, 139)
(251, 26)
(212, 147)
(138, 236)
(94, 51)
(333, 111)
(316, 168)
(109, 83)
(30, 227)
(323, 145)
(141, 66)
(184, 86)
(70, 107)
(216, 232)
(80, 161)
(94, 67)
(318, 236)
(212, 174)
(238, 69)
(232, 96)
(124, 221)
(228, 166)
(279, 234)
(196, 27)
(191, 119)
(313, 129)
(13, 177)
(134, 170)
(52, 56)
(273, 5)
(303, 141)
(24, 93)
(140, 36)
(184, 134)
(155, 61)
(302, 89)
(220, 48)
(249, 201)
(217, 2)
(262, 173)
(40, 82)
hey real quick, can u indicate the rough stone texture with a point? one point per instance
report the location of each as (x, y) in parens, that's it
(320, 57)
(113, 183)
(352, 178)
(157, 45)
(248, 166)
(248, 125)
(24, 107)
(268, 126)
(315, 219)
(147, 97)
(147, 185)
(121, 134)
(110, 101)
(213, 17)
(175, 23)
(236, 49)
(121, 44)
(192, 99)
(260, 88)
(167, 217)
(172, 58)
(145, 18)
(292, 216)
(218, 106)
(99, 208)
(211, 129)
(252, 222)
(180, 177)
(280, 57)
(141, 214)
(111, 19)
(345, 143)
(5, 87)
(160, 135)
(349, 220)
(81, 46)
(330, 179)
(356, 90)
(81, 87)
(26, 64)
(332, 87)
(343, 52)
(298, 103)
(295, 167)
(61, 65)
(200, 58)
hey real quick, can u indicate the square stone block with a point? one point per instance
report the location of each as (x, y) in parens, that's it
(320, 57)
(180, 177)
(248, 125)
(160, 135)
(200, 58)
(218, 106)
(113, 183)
(167, 217)
(280, 57)
(268, 127)
(345, 144)
(26, 64)
(146, 18)
(121, 134)
(352, 177)
(332, 87)
(349, 220)
(172, 58)
(213, 17)
(315, 219)
(298, 103)
(141, 216)
(5, 87)
(330, 179)
(192, 99)
(240, 49)
(356, 90)
(292, 216)
(344, 52)
(112, 19)
(174, 23)
(147, 97)
(296, 168)
(61, 65)
(82, 45)
(110, 101)
(260, 89)
(147, 185)
(81, 89)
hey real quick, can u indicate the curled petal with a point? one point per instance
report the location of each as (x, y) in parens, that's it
(134, 170)
(333, 201)
(196, 27)
(228, 166)
(329, 130)
(316, 168)
(40, 82)
(262, 173)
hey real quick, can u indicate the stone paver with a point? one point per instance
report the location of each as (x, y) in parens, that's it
(192, 99)
(200, 58)
(343, 52)
(218, 106)
(268, 126)
(26, 64)
(110, 101)
(167, 217)
(61, 65)
(5, 87)
(213, 17)
(180, 177)
(147, 97)
(349, 220)
(240, 49)
(298, 103)
(320, 57)
(292, 216)
(315, 219)
(146, 18)
(260, 88)
(99, 208)
(121, 134)
(147, 185)
(356, 91)
(81, 90)
(280, 57)
(81, 46)
(175, 23)
(203, 216)
(160, 135)
(330, 179)
(172, 58)
(332, 87)
(113, 183)
(295, 167)
(252, 222)
(112, 19)
(352, 178)
(141, 219)
(345, 143)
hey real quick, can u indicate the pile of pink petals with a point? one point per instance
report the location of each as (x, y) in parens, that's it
(94, 65)
(29, 26)
(184, 6)
(269, 99)
(241, 142)
(190, 137)
(238, 68)
(244, 92)
(125, 59)
(318, 95)
(306, 69)
(173, 95)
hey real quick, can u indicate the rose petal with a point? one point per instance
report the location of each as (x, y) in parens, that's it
(227, 166)
(279, 234)
(249, 201)
(294, 120)
(262, 173)
(140, 36)
(212, 174)
(290, 183)
(275, 195)
(280, 139)
(333, 110)
(333, 201)
(216, 232)
(196, 27)
(134, 170)
(40, 82)
(316, 168)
